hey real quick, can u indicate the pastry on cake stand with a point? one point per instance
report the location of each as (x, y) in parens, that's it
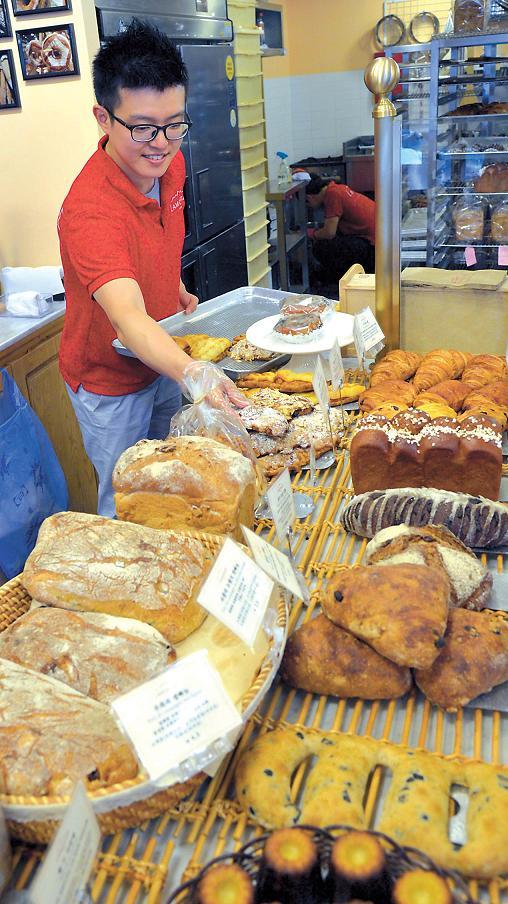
(304, 351)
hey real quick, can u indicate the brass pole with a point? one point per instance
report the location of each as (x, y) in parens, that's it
(381, 76)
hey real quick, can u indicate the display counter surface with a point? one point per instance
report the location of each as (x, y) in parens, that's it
(13, 329)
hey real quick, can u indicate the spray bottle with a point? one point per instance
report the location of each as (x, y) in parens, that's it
(283, 173)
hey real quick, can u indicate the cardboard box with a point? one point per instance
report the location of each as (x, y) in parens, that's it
(471, 319)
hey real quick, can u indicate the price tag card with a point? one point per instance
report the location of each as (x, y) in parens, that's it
(367, 334)
(237, 592)
(502, 255)
(66, 868)
(320, 386)
(470, 256)
(336, 365)
(280, 499)
(275, 563)
(177, 714)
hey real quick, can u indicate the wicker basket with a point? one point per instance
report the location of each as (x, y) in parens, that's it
(398, 859)
(35, 819)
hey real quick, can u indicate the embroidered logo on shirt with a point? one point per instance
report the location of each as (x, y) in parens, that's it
(177, 201)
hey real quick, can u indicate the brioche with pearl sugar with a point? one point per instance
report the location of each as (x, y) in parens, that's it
(411, 450)
(185, 483)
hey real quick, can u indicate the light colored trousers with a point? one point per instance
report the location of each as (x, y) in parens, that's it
(110, 424)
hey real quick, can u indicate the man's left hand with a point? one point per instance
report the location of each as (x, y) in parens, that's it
(188, 302)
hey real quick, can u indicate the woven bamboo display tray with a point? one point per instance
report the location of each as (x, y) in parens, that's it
(114, 805)
(398, 860)
(143, 866)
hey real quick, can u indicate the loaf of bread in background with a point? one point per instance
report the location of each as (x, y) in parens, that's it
(52, 736)
(493, 178)
(185, 483)
(477, 521)
(411, 449)
(473, 660)
(470, 582)
(98, 655)
(92, 564)
(322, 658)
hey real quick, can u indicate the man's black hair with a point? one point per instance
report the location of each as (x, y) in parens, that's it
(315, 184)
(139, 57)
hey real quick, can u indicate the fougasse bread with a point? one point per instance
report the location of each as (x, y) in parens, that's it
(98, 655)
(186, 483)
(92, 564)
(51, 736)
(414, 811)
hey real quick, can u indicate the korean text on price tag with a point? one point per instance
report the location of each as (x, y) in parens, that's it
(64, 873)
(177, 714)
(367, 334)
(336, 366)
(237, 592)
(321, 386)
(274, 562)
(279, 496)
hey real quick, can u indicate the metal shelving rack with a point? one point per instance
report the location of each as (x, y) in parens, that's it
(464, 69)
(411, 99)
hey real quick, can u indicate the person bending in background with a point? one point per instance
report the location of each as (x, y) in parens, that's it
(348, 233)
(121, 231)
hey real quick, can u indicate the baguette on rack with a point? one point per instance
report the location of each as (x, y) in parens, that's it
(477, 521)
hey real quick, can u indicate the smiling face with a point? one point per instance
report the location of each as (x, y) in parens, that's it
(142, 162)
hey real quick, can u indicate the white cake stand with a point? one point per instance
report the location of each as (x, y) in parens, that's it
(303, 354)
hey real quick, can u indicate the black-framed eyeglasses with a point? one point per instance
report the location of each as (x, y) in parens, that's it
(174, 131)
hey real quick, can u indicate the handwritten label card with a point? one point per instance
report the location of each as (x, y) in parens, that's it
(320, 386)
(367, 334)
(280, 499)
(237, 592)
(336, 365)
(275, 563)
(177, 714)
(67, 865)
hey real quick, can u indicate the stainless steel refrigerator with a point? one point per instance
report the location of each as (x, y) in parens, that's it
(214, 257)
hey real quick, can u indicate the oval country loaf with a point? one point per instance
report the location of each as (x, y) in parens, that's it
(92, 564)
(477, 521)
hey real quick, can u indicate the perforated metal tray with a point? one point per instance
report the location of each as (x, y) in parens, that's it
(227, 315)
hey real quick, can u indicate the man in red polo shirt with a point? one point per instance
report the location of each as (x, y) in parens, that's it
(121, 230)
(348, 233)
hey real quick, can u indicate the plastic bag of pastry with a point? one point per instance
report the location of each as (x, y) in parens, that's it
(499, 222)
(468, 216)
(212, 412)
(306, 304)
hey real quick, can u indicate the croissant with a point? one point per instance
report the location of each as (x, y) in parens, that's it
(389, 409)
(396, 365)
(453, 392)
(436, 366)
(496, 392)
(390, 391)
(484, 369)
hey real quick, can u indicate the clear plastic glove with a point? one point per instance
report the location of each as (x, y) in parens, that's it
(204, 380)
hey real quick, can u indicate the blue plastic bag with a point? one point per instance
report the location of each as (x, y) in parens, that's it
(32, 483)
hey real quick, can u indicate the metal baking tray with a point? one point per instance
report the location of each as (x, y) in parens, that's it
(227, 316)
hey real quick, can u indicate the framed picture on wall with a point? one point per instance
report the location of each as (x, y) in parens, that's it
(5, 22)
(9, 94)
(48, 53)
(32, 7)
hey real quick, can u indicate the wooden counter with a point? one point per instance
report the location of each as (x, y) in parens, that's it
(29, 352)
